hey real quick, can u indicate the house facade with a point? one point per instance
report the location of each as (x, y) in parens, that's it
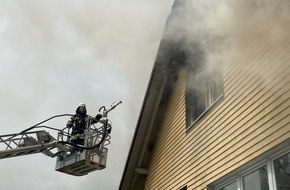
(215, 118)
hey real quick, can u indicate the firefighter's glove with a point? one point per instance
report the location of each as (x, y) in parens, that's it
(98, 117)
(69, 123)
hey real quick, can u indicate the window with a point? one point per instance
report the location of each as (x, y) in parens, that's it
(282, 172)
(203, 89)
(271, 174)
(256, 180)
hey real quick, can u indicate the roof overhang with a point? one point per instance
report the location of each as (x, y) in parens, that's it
(163, 75)
(143, 130)
(144, 136)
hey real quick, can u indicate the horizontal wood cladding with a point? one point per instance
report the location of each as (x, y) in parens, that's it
(252, 118)
(172, 123)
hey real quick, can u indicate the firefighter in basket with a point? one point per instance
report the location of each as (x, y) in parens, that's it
(78, 124)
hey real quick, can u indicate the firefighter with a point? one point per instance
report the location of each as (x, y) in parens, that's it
(78, 124)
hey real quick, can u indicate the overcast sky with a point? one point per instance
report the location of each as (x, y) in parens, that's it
(55, 54)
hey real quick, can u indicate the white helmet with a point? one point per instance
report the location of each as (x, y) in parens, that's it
(81, 109)
(82, 105)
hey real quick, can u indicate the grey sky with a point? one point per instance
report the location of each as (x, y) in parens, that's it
(55, 54)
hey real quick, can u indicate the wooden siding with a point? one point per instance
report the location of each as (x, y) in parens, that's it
(252, 118)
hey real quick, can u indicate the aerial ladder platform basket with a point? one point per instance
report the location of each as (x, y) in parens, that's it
(92, 156)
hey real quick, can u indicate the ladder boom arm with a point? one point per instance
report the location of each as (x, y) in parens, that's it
(28, 150)
(26, 143)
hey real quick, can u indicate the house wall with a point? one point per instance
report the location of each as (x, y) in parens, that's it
(252, 118)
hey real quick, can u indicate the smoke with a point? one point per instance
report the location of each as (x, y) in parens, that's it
(55, 54)
(212, 29)
(59, 46)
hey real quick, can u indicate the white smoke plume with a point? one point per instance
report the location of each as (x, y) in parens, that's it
(216, 26)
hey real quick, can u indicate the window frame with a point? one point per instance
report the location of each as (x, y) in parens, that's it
(273, 158)
(253, 169)
(210, 77)
(227, 182)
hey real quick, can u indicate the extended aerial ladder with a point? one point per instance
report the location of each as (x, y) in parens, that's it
(73, 159)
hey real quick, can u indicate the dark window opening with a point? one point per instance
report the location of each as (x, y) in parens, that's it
(184, 188)
(203, 89)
